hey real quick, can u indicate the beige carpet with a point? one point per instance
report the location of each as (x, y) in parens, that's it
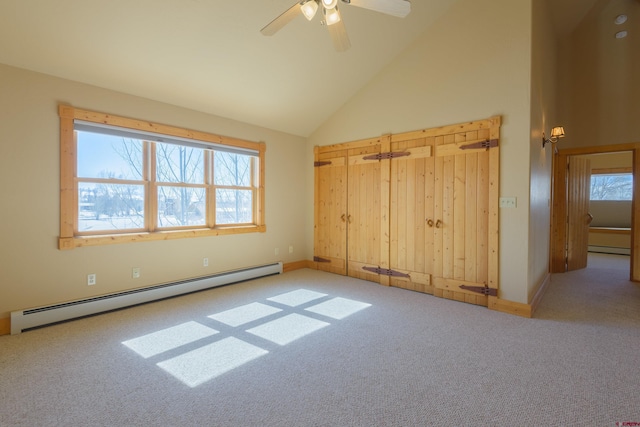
(314, 349)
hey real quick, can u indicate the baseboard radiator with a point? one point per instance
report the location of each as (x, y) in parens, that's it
(35, 317)
(609, 250)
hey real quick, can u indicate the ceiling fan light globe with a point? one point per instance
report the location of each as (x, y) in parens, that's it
(329, 4)
(331, 16)
(309, 9)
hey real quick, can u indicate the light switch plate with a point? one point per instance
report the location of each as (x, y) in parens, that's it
(507, 202)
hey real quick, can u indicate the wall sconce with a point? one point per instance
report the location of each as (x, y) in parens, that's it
(556, 133)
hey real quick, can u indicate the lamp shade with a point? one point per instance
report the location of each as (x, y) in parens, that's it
(329, 4)
(557, 132)
(332, 16)
(309, 9)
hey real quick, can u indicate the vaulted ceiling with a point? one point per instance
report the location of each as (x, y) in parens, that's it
(209, 55)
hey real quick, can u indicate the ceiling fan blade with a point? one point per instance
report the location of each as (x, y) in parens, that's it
(399, 8)
(339, 36)
(282, 20)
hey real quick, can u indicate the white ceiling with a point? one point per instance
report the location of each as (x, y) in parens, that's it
(209, 55)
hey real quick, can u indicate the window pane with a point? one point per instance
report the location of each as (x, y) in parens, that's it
(234, 206)
(106, 156)
(612, 186)
(110, 207)
(231, 169)
(177, 163)
(181, 206)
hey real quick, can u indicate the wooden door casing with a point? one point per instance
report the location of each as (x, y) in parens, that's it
(559, 213)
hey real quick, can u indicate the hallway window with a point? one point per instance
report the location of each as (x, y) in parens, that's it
(617, 186)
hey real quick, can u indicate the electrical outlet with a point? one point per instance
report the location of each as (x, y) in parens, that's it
(205, 262)
(277, 251)
(91, 279)
(290, 249)
(135, 272)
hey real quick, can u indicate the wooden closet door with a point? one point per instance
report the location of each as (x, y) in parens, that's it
(412, 218)
(466, 215)
(364, 213)
(330, 233)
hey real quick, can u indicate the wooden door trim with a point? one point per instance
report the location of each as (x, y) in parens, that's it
(557, 263)
(634, 273)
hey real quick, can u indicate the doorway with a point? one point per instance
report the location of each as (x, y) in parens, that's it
(568, 247)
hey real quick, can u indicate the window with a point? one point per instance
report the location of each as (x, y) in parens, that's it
(612, 186)
(125, 180)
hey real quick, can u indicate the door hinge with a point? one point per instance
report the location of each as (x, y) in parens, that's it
(317, 164)
(484, 290)
(387, 155)
(385, 272)
(489, 143)
(318, 259)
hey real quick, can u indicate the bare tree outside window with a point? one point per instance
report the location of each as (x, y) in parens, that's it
(179, 204)
(112, 194)
(612, 186)
(234, 196)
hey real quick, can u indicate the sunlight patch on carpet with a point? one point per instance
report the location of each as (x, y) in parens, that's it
(205, 363)
(338, 308)
(296, 298)
(244, 314)
(288, 328)
(168, 339)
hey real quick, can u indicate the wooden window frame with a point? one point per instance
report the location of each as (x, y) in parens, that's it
(70, 238)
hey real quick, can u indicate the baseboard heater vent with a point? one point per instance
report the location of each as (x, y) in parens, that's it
(26, 319)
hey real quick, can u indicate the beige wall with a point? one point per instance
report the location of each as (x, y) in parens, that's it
(622, 159)
(475, 62)
(33, 272)
(543, 118)
(600, 102)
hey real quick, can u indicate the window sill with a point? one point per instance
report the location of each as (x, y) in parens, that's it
(66, 243)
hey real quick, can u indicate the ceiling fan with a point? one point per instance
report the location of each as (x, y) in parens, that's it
(332, 18)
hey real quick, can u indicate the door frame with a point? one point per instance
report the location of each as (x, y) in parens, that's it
(559, 211)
